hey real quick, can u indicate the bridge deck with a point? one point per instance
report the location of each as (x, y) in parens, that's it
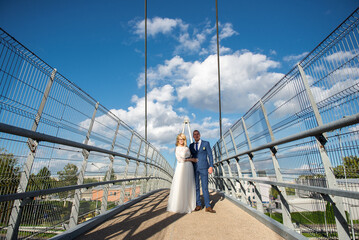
(149, 219)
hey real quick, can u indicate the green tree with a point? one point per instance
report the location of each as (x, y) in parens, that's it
(90, 180)
(69, 174)
(351, 165)
(9, 180)
(274, 193)
(290, 191)
(9, 173)
(42, 180)
(45, 179)
(67, 177)
(314, 176)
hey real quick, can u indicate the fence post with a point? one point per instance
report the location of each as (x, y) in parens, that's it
(233, 188)
(123, 185)
(287, 218)
(148, 187)
(133, 194)
(165, 173)
(216, 169)
(158, 183)
(76, 202)
(15, 217)
(161, 182)
(221, 183)
(154, 172)
(213, 179)
(144, 182)
(253, 170)
(109, 172)
(157, 172)
(217, 181)
(224, 179)
(239, 172)
(337, 202)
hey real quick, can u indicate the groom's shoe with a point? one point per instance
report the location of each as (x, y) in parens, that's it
(209, 209)
(198, 208)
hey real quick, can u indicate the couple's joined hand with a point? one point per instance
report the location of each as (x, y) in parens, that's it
(192, 160)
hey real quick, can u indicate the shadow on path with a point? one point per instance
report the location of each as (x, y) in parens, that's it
(214, 197)
(140, 221)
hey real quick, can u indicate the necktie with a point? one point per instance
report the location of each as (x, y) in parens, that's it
(197, 146)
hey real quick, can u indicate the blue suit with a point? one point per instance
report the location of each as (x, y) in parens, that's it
(205, 160)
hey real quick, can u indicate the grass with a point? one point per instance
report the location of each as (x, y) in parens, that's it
(306, 217)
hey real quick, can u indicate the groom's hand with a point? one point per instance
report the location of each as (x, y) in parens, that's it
(210, 170)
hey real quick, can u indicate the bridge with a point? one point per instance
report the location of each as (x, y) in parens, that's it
(287, 169)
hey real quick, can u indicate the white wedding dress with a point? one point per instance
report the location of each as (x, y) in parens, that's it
(182, 197)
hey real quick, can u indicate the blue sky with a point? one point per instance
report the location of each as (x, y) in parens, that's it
(100, 47)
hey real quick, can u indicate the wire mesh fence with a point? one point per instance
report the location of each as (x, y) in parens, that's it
(321, 89)
(34, 96)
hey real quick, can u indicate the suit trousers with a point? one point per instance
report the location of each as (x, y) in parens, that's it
(203, 174)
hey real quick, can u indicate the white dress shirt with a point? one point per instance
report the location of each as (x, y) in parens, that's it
(199, 145)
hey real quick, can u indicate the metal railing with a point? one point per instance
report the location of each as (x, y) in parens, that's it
(295, 154)
(64, 157)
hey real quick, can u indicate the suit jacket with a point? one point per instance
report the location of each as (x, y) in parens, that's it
(204, 155)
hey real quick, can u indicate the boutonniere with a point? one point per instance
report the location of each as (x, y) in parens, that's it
(204, 148)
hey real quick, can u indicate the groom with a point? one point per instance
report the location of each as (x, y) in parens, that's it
(202, 151)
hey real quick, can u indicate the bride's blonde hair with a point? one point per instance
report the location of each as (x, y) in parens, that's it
(181, 135)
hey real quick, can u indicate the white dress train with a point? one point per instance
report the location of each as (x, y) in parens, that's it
(182, 197)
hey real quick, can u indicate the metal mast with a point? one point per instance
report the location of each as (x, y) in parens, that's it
(219, 76)
(186, 122)
(146, 70)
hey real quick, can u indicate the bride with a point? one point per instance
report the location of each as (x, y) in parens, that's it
(182, 197)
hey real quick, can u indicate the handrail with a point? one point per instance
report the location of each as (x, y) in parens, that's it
(22, 132)
(321, 190)
(32, 194)
(344, 122)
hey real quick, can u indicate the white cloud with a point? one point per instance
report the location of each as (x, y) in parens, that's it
(354, 133)
(163, 123)
(295, 58)
(245, 77)
(303, 148)
(190, 42)
(321, 93)
(101, 167)
(285, 108)
(272, 52)
(286, 103)
(172, 70)
(340, 56)
(226, 31)
(158, 25)
(182, 110)
(354, 128)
